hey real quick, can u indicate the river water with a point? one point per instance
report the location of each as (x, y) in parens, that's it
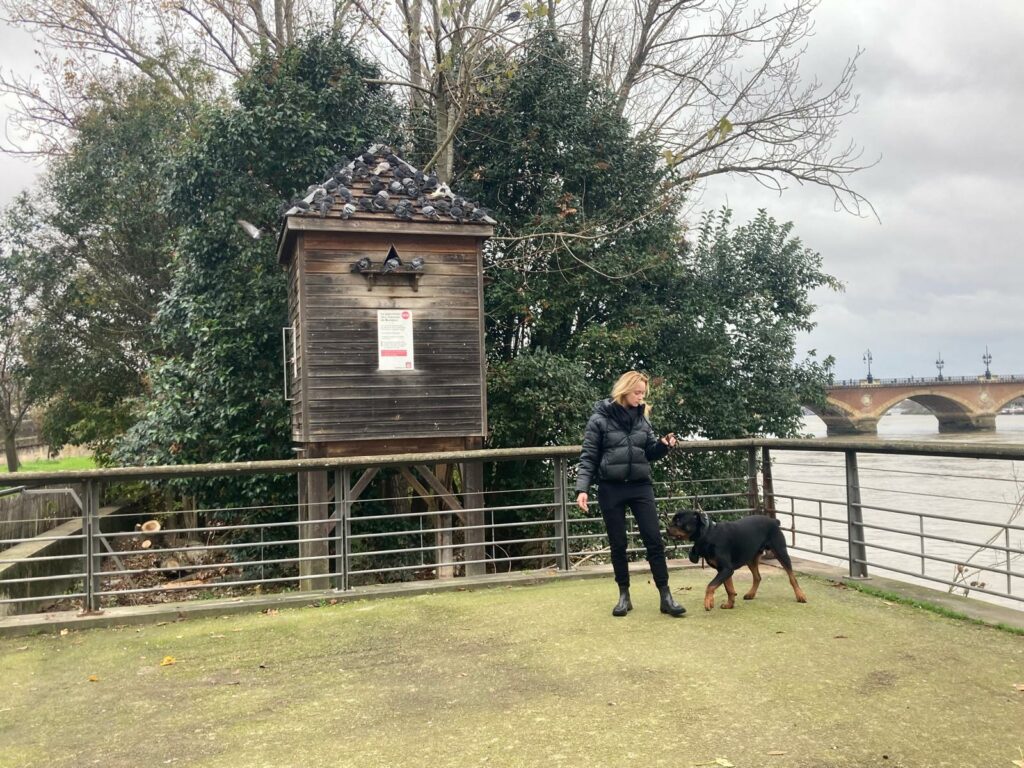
(987, 493)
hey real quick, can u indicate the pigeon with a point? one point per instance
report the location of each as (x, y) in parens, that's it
(430, 212)
(364, 263)
(382, 167)
(250, 229)
(331, 184)
(442, 205)
(456, 212)
(479, 214)
(393, 160)
(360, 171)
(391, 263)
(396, 188)
(344, 193)
(366, 203)
(459, 202)
(417, 264)
(380, 201)
(376, 184)
(441, 191)
(429, 183)
(404, 210)
(296, 206)
(368, 158)
(324, 205)
(347, 210)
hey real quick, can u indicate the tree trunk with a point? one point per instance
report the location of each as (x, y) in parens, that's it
(414, 21)
(11, 449)
(586, 40)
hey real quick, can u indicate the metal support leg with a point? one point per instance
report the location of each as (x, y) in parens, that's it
(562, 509)
(342, 513)
(855, 517)
(752, 494)
(91, 550)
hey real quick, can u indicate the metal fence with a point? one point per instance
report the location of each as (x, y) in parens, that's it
(861, 505)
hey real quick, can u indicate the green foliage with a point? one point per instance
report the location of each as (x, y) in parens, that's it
(215, 396)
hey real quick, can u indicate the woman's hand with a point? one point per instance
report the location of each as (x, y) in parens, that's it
(669, 440)
(581, 501)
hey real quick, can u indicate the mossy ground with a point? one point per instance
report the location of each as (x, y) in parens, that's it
(526, 676)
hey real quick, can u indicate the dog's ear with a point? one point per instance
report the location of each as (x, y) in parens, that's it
(703, 517)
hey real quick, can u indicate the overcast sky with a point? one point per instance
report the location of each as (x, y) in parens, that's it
(941, 87)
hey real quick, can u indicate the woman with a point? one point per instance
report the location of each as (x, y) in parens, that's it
(618, 446)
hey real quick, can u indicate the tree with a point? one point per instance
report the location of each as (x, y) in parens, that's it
(215, 395)
(591, 270)
(16, 238)
(104, 266)
(716, 85)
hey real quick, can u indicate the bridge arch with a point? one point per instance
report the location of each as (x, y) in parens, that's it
(963, 404)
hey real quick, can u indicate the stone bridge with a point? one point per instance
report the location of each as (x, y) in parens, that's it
(961, 404)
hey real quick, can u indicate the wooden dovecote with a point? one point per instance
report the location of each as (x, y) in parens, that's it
(384, 351)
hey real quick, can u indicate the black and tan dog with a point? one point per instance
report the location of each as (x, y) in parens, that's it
(727, 546)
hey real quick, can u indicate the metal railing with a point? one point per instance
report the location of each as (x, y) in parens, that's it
(929, 380)
(871, 507)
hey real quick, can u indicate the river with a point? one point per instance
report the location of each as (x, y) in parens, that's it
(983, 491)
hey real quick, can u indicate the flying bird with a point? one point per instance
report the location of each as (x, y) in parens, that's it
(250, 229)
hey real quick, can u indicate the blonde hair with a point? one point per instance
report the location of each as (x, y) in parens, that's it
(626, 383)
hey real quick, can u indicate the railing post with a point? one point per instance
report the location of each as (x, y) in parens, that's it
(562, 505)
(767, 484)
(855, 520)
(342, 513)
(752, 498)
(91, 533)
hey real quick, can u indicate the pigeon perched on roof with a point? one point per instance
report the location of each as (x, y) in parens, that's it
(376, 184)
(360, 171)
(391, 263)
(456, 212)
(347, 210)
(324, 205)
(344, 193)
(395, 187)
(403, 210)
(441, 191)
(366, 203)
(430, 212)
(380, 201)
(429, 183)
(368, 158)
(479, 214)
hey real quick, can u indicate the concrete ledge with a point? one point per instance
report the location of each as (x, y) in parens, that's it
(38, 623)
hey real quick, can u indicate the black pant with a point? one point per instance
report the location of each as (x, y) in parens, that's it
(639, 497)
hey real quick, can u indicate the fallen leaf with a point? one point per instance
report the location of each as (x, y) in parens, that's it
(776, 752)
(840, 637)
(65, 632)
(94, 678)
(22, 648)
(168, 661)
(1019, 687)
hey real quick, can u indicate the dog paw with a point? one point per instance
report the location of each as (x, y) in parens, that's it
(709, 605)
(748, 596)
(729, 604)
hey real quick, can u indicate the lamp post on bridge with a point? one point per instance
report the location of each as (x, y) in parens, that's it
(940, 364)
(987, 359)
(868, 359)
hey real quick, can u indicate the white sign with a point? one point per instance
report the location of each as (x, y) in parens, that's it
(394, 340)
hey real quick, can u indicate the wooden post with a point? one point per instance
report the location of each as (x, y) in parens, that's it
(562, 511)
(445, 549)
(474, 551)
(314, 566)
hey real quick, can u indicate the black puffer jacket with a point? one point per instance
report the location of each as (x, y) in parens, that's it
(618, 446)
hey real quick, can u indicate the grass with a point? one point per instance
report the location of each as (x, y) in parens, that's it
(526, 676)
(67, 463)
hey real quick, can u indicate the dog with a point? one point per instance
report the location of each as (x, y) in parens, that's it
(727, 546)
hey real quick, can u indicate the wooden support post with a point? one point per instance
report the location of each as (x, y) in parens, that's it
(562, 513)
(474, 551)
(445, 537)
(314, 566)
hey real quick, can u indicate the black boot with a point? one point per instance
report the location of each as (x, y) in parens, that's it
(668, 603)
(624, 605)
